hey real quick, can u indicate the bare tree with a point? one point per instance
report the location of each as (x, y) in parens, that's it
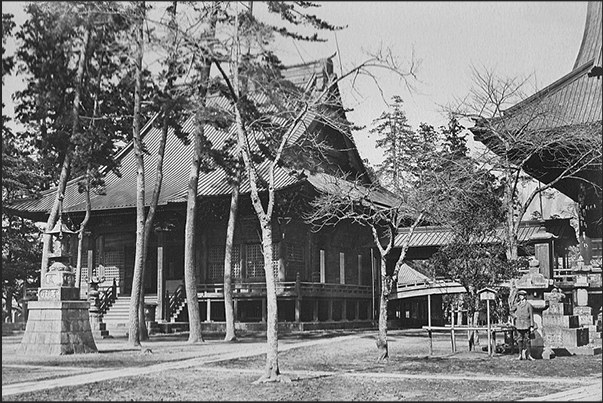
(427, 183)
(532, 138)
(134, 311)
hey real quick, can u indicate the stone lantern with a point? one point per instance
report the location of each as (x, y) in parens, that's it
(58, 282)
(58, 322)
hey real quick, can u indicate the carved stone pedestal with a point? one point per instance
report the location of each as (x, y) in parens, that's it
(58, 328)
(562, 329)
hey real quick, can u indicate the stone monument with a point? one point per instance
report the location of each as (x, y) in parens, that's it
(99, 329)
(58, 321)
(563, 332)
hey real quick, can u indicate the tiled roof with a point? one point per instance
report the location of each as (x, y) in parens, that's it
(329, 183)
(528, 230)
(119, 191)
(572, 104)
(593, 34)
(575, 98)
(411, 284)
(408, 275)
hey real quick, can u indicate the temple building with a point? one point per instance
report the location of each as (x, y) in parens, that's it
(324, 278)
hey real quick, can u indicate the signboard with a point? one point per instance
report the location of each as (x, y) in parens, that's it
(486, 294)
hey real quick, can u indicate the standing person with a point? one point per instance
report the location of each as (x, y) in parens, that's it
(523, 312)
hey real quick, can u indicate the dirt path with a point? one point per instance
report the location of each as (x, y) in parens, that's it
(222, 352)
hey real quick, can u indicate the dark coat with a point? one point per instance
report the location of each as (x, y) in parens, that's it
(524, 314)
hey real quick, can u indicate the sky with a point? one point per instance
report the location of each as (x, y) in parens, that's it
(516, 39)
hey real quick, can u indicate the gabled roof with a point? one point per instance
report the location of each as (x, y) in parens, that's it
(120, 192)
(436, 236)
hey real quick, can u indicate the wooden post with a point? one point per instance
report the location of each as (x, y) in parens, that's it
(429, 310)
(160, 279)
(430, 342)
(489, 328)
(330, 309)
(315, 313)
(452, 339)
(373, 284)
(208, 305)
(297, 310)
(298, 298)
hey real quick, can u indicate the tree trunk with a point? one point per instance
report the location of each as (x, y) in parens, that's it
(148, 225)
(228, 302)
(382, 335)
(190, 278)
(272, 370)
(68, 156)
(134, 315)
(9, 304)
(510, 227)
(80, 243)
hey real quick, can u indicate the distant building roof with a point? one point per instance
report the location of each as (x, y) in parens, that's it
(569, 106)
(412, 283)
(436, 236)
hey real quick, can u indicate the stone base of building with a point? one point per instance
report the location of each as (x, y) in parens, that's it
(58, 328)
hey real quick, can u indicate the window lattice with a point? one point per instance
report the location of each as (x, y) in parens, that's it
(215, 262)
(275, 262)
(295, 259)
(111, 258)
(236, 262)
(255, 260)
(295, 252)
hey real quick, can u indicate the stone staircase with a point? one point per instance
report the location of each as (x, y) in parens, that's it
(117, 317)
(174, 315)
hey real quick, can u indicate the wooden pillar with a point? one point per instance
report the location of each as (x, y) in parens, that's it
(452, 336)
(344, 313)
(90, 263)
(429, 310)
(357, 314)
(315, 313)
(297, 310)
(201, 257)
(208, 305)
(236, 310)
(298, 298)
(330, 309)
(160, 311)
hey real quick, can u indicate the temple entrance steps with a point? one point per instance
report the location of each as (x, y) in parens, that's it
(179, 308)
(117, 316)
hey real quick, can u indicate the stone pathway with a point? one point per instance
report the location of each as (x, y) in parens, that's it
(221, 352)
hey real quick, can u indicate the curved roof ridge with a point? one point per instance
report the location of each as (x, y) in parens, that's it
(592, 40)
